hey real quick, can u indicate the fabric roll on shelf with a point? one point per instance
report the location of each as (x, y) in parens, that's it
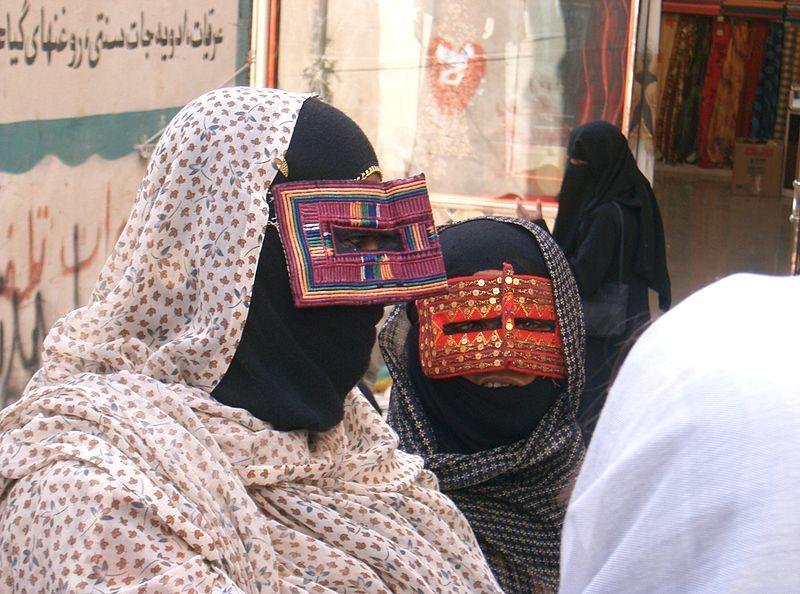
(792, 12)
(754, 9)
(700, 7)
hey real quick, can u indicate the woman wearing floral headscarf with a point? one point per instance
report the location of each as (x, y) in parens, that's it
(169, 444)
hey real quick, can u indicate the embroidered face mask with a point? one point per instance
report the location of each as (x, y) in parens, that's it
(359, 243)
(491, 323)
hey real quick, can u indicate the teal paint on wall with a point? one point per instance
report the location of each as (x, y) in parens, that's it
(73, 140)
(112, 136)
(243, 40)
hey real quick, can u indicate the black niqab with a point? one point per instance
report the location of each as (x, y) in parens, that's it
(468, 418)
(611, 175)
(294, 366)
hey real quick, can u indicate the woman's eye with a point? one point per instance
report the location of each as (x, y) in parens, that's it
(350, 240)
(472, 326)
(534, 325)
(465, 327)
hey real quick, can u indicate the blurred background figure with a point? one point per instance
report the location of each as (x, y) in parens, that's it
(609, 227)
(692, 480)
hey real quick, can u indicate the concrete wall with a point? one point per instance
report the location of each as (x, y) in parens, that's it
(81, 84)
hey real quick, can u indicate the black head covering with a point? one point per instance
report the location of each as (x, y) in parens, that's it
(294, 366)
(326, 144)
(611, 175)
(466, 417)
(512, 495)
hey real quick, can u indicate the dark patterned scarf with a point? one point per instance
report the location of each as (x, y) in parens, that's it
(514, 496)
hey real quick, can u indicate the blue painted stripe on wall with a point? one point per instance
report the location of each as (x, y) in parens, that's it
(243, 39)
(73, 140)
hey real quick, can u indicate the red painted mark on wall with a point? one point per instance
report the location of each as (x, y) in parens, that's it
(35, 268)
(71, 262)
(79, 263)
(455, 74)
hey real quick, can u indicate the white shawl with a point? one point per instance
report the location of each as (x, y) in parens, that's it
(692, 480)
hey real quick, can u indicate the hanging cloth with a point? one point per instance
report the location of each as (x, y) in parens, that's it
(722, 128)
(686, 126)
(721, 34)
(682, 54)
(789, 57)
(666, 47)
(765, 106)
(759, 31)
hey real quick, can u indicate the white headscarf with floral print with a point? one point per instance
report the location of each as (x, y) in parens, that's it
(119, 471)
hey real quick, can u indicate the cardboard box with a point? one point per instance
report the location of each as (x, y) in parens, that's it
(757, 168)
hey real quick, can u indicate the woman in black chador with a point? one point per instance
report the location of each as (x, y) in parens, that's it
(604, 202)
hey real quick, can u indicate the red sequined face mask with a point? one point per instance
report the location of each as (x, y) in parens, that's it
(491, 323)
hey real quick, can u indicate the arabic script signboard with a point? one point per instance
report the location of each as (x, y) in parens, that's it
(66, 59)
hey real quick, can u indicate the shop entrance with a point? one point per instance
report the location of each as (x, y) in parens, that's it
(712, 233)
(723, 138)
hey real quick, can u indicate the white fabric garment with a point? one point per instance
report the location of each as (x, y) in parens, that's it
(692, 480)
(119, 472)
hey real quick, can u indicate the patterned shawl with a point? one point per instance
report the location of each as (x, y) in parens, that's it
(513, 496)
(119, 472)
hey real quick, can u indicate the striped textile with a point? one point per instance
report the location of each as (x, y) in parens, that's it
(308, 213)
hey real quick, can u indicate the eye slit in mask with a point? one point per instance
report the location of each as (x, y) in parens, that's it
(350, 240)
(534, 325)
(472, 326)
(527, 324)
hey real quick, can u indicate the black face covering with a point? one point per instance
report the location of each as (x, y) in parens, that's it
(611, 175)
(466, 417)
(577, 188)
(294, 366)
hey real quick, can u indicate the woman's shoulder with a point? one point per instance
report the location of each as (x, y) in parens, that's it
(606, 216)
